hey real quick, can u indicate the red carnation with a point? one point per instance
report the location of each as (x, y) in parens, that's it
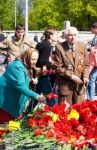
(50, 133)
(46, 108)
(32, 122)
(55, 96)
(38, 132)
(51, 95)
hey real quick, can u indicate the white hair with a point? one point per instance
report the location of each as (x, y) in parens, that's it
(71, 30)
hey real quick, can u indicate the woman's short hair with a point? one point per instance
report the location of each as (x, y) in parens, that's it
(26, 56)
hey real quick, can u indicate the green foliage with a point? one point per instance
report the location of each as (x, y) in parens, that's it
(45, 13)
(6, 13)
(81, 13)
(26, 138)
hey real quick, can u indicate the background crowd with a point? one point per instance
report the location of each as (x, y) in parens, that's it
(30, 71)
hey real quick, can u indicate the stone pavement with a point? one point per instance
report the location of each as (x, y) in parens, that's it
(95, 98)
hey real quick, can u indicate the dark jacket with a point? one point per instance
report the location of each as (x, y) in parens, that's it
(44, 49)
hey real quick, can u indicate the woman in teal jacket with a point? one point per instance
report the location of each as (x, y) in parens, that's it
(14, 86)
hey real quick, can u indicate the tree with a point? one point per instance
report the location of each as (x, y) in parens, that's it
(43, 14)
(81, 13)
(46, 13)
(6, 13)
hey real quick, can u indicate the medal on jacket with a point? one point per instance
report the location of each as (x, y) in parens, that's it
(80, 64)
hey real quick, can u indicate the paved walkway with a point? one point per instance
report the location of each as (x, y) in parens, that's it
(94, 97)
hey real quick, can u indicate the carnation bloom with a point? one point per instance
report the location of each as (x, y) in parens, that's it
(73, 114)
(13, 125)
(38, 131)
(55, 117)
(72, 139)
(50, 133)
(32, 122)
(2, 131)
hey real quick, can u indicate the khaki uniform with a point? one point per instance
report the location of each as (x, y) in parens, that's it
(67, 64)
(15, 47)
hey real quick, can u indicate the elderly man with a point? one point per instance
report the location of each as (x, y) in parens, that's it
(71, 64)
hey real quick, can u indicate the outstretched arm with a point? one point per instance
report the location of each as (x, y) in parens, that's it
(18, 78)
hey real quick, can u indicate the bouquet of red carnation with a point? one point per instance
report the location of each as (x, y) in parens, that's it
(51, 95)
(45, 71)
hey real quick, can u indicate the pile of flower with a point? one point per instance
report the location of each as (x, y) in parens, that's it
(59, 127)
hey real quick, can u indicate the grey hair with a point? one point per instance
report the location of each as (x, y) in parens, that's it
(71, 29)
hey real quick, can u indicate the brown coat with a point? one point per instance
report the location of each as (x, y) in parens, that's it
(67, 64)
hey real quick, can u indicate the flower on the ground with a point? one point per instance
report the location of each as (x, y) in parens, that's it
(74, 125)
(3, 131)
(73, 114)
(32, 122)
(13, 125)
(37, 131)
(55, 117)
(50, 133)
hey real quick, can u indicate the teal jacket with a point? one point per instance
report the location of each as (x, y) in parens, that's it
(14, 88)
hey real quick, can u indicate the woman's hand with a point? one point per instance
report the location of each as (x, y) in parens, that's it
(41, 98)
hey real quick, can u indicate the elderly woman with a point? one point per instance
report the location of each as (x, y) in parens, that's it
(14, 86)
